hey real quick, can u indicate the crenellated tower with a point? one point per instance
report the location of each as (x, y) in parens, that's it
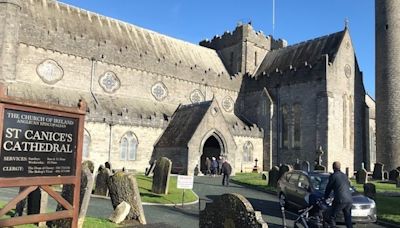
(9, 29)
(387, 82)
(243, 49)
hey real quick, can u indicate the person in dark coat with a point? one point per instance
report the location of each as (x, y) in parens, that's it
(226, 172)
(342, 201)
(214, 166)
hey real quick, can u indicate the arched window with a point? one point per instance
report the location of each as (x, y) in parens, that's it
(86, 144)
(285, 127)
(297, 125)
(128, 147)
(248, 151)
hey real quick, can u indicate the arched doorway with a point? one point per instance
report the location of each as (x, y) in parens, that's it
(213, 147)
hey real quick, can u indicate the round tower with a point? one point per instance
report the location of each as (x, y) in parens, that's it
(387, 82)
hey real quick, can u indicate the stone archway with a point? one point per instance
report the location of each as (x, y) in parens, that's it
(213, 147)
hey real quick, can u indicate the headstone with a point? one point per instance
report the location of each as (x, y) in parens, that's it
(283, 169)
(394, 174)
(264, 175)
(89, 165)
(84, 196)
(362, 176)
(377, 174)
(101, 181)
(231, 210)
(87, 181)
(398, 182)
(385, 175)
(151, 169)
(161, 176)
(123, 187)
(297, 165)
(43, 205)
(120, 212)
(369, 190)
(273, 177)
(305, 166)
(320, 168)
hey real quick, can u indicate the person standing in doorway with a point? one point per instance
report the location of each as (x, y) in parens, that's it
(220, 161)
(214, 166)
(226, 172)
(208, 166)
(342, 201)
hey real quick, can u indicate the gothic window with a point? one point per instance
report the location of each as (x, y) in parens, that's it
(297, 125)
(128, 147)
(248, 151)
(285, 126)
(86, 144)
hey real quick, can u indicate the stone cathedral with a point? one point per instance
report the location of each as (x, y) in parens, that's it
(242, 95)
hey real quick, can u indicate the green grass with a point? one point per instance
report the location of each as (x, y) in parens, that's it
(174, 195)
(380, 186)
(253, 180)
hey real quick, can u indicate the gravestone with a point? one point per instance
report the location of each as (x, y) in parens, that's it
(362, 176)
(89, 165)
(87, 181)
(394, 174)
(43, 205)
(369, 190)
(377, 174)
(123, 187)
(273, 177)
(297, 165)
(150, 170)
(264, 175)
(161, 176)
(84, 197)
(231, 210)
(120, 213)
(101, 181)
(385, 175)
(305, 166)
(398, 182)
(320, 168)
(283, 169)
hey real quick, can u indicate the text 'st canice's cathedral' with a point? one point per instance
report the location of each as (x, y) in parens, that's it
(242, 95)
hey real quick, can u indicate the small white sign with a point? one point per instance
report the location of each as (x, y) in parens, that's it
(185, 182)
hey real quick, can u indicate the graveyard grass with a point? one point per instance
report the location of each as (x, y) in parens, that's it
(174, 195)
(385, 209)
(90, 222)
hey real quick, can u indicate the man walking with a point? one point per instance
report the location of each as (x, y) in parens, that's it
(226, 172)
(339, 183)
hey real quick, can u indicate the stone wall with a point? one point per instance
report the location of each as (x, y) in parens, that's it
(257, 152)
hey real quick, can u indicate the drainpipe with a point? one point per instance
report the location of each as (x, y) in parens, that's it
(92, 75)
(109, 142)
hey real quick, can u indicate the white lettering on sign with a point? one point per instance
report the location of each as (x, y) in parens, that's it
(185, 182)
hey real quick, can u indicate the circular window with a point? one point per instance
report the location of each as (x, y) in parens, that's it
(347, 70)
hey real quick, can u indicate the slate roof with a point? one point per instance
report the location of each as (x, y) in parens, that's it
(183, 124)
(296, 55)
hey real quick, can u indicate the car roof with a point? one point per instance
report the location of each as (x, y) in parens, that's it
(312, 173)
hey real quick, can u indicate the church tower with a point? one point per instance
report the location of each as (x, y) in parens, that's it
(387, 82)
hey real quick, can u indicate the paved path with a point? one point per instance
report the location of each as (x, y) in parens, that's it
(208, 188)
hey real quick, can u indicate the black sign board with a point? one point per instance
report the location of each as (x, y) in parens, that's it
(35, 144)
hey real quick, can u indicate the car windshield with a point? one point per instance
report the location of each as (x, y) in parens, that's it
(319, 182)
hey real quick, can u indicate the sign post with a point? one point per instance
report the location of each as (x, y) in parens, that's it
(184, 182)
(41, 145)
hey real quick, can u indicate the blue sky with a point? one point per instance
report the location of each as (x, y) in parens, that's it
(295, 20)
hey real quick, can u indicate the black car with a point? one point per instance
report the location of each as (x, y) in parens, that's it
(294, 188)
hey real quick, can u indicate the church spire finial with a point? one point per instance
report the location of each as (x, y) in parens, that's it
(346, 23)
